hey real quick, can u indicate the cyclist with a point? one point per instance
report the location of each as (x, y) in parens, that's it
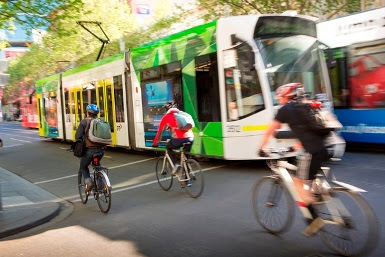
(315, 151)
(92, 111)
(178, 136)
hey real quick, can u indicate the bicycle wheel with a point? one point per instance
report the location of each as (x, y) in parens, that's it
(272, 205)
(359, 233)
(196, 178)
(103, 192)
(82, 188)
(164, 174)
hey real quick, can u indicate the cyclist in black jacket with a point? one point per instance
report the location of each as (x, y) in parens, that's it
(315, 151)
(92, 148)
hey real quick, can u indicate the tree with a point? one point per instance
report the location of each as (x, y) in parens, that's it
(319, 8)
(67, 45)
(35, 13)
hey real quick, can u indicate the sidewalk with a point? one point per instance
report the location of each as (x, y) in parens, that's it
(24, 205)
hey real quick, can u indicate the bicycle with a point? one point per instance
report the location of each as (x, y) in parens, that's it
(333, 215)
(102, 186)
(190, 170)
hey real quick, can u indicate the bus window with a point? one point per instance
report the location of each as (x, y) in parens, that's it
(119, 108)
(243, 89)
(366, 64)
(207, 87)
(339, 78)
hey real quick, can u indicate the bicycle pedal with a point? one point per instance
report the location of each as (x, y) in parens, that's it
(314, 227)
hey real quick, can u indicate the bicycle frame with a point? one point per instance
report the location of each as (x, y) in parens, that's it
(183, 165)
(281, 169)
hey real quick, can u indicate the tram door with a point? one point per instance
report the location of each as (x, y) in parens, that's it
(106, 103)
(76, 109)
(40, 113)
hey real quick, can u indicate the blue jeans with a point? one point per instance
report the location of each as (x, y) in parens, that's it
(86, 160)
(176, 143)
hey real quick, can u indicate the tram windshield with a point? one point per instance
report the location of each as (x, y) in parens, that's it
(293, 59)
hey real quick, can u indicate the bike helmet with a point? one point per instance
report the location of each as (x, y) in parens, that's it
(290, 90)
(92, 108)
(169, 105)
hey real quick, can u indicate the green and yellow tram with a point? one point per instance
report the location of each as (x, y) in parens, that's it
(224, 73)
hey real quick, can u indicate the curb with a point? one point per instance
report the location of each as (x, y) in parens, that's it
(53, 212)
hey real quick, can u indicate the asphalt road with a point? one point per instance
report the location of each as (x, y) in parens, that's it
(144, 220)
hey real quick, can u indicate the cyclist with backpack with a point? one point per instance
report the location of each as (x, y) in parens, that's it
(315, 151)
(178, 136)
(92, 148)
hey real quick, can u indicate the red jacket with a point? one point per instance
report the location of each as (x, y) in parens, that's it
(170, 120)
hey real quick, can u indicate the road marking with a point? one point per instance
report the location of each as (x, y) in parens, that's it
(70, 176)
(131, 163)
(6, 146)
(142, 184)
(36, 138)
(23, 130)
(20, 140)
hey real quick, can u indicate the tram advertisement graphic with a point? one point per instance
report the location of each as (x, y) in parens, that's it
(155, 95)
(367, 79)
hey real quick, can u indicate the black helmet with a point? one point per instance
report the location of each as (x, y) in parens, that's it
(169, 105)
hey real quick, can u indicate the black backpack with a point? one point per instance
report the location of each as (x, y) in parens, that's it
(319, 121)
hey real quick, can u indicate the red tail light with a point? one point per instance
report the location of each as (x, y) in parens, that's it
(96, 161)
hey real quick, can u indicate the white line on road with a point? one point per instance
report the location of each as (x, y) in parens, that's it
(143, 184)
(23, 130)
(70, 176)
(35, 138)
(6, 146)
(130, 163)
(20, 140)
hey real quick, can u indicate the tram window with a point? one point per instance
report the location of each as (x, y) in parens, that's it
(85, 101)
(101, 102)
(93, 96)
(72, 109)
(247, 98)
(206, 72)
(119, 108)
(109, 106)
(67, 105)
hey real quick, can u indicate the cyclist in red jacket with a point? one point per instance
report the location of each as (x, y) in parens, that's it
(178, 136)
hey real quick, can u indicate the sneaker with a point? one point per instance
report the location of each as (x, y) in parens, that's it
(188, 183)
(175, 169)
(89, 184)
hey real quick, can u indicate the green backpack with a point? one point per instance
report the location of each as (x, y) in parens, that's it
(99, 132)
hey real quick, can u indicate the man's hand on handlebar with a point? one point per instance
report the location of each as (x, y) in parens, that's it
(263, 153)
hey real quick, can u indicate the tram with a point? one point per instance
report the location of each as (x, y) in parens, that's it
(357, 73)
(224, 73)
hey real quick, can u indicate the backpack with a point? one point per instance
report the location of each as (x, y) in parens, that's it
(99, 132)
(184, 120)
(320, 121)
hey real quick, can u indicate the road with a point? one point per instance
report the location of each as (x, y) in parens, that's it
(147, 221)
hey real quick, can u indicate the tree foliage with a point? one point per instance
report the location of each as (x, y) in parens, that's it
(318, 8)
(32, 14)
(67, 45)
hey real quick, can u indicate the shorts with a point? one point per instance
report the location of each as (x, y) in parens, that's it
(310, 164)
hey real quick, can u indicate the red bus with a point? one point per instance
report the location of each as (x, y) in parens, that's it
(28, 108)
